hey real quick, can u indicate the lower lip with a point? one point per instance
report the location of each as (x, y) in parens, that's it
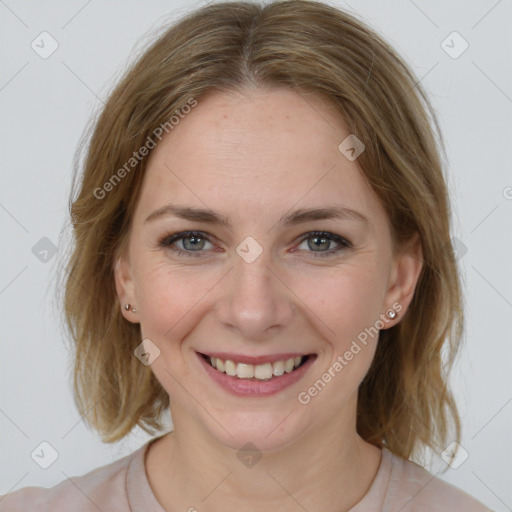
(253, 387)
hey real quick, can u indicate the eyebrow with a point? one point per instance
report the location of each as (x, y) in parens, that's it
(297, 217)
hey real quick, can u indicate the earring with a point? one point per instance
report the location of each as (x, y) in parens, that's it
(391, 314)
(128, 306)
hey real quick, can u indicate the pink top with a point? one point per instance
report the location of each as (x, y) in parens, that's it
(122, 486)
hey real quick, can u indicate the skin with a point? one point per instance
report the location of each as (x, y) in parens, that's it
(253, 158)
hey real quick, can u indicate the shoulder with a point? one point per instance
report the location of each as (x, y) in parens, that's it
(103, 488)
(415, 489)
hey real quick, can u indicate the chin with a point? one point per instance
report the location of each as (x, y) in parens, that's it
(267, 432)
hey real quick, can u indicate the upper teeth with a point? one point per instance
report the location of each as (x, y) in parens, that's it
(258, 371)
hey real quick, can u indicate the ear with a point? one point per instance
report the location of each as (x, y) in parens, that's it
(407, 266)
(125, 285)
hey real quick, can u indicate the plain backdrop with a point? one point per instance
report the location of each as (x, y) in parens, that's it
(45, 106)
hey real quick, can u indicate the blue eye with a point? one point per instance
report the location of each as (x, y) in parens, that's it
(193, 243)
(197, 239)
(322, 238)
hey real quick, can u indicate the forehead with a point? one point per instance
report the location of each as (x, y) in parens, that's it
(257, 150)
(258, 127)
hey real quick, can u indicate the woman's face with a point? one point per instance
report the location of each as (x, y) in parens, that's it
(258, 286)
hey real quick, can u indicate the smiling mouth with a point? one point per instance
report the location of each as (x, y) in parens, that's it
(264, 371)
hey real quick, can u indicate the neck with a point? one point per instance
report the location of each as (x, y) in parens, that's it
(328, 470)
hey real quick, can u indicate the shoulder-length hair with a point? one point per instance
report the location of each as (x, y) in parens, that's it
(404, 401)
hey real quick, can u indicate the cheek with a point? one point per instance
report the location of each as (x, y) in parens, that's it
(347, 306)
(346, 300)
(168, 296)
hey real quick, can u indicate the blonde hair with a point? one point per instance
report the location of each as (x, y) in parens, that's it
(404, 401)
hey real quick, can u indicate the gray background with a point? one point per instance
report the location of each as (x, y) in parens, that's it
(45, 105)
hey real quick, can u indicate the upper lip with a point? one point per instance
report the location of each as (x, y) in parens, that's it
(240, 358)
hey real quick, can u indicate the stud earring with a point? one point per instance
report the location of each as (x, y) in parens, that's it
(391, 314)
(128, 306)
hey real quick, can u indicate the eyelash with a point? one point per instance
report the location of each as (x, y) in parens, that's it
(169, 239)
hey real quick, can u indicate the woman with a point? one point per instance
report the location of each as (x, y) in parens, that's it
(262, 243)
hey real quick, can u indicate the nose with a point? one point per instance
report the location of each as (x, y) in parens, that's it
(255, 300)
